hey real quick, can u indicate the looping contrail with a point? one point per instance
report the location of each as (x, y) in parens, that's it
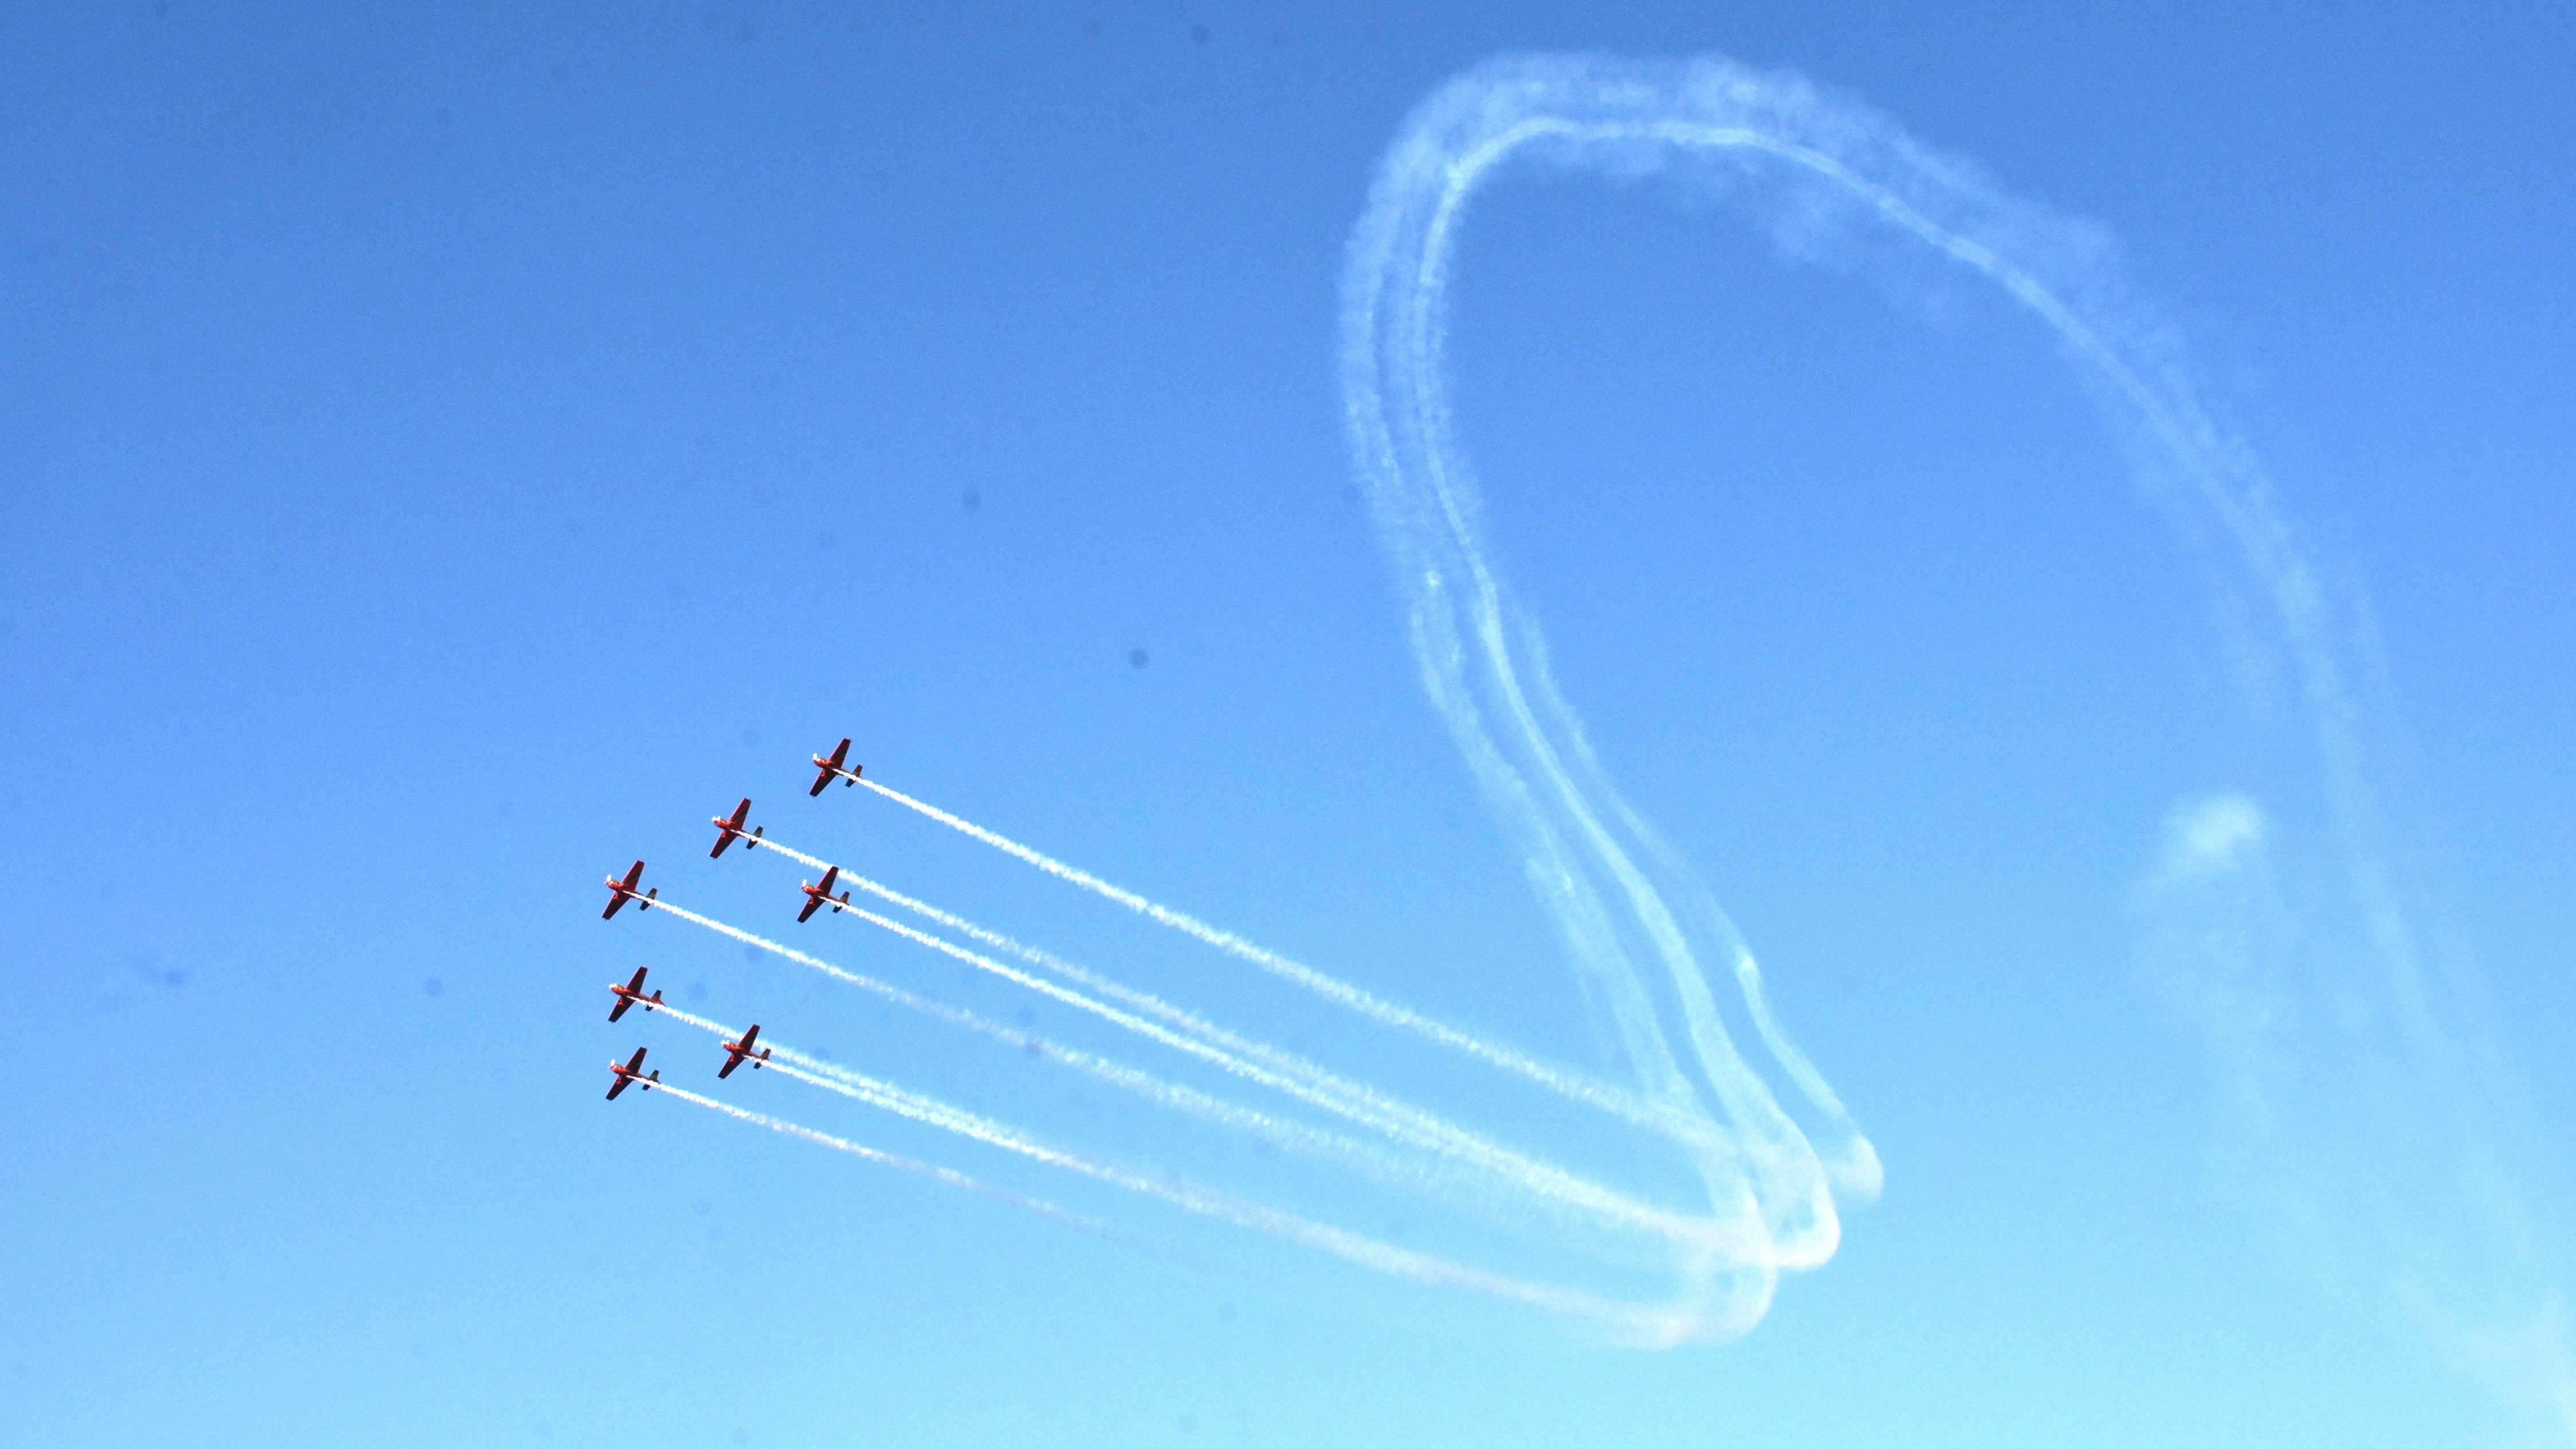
(1641, 931)
(1611, 886)
(1636, 919)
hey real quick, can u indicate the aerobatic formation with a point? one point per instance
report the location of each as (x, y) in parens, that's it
(1749, 1151)
(1319, 1114)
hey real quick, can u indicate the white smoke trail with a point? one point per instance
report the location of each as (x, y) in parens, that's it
(1372, 1108)
(1598, 866)
(1144, 1003)
(1697, 1237)
(798, 856)
(1324, 1146)
(1394, 299)
(900, 1163)
(1691, 1130)
(864, 983)
(1640, 1325)
(1655, 1115)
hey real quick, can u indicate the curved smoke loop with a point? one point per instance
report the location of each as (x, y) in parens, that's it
(1641, 930)
(1771, 1145)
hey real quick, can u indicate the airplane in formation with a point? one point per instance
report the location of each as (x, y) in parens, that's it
(622, 891)
(632, 994)
(821, 895)
(833, 766)
(631, 1074)
(729, 831)
(738, 1052)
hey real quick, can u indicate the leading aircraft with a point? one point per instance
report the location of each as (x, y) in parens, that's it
(738, 1052)
(622, 891)
(728, 831)
(631, 1074)
(821, 895)
(833, 766)
(632, 994)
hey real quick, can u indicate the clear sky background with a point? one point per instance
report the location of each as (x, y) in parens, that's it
(446, 458)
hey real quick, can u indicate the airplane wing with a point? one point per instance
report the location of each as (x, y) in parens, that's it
(727, 829)
(625, 1074)
(737, 1051)
(629, 994)
(826, 769)
(620, 891)
(811, 902)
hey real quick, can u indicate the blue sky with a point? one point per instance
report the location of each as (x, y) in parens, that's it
(448, 458)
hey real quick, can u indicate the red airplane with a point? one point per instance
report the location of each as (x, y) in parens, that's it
(632, 994)
(832, 766)
(821, 895)
(632, 1074)
(728, 831)
(622, 891)
(738, 1052)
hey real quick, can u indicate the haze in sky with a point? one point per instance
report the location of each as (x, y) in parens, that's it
(1576, 726)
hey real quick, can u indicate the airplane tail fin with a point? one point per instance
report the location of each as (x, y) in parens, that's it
(650, 897)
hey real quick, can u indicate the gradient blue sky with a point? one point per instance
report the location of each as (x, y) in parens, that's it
(445, 458)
